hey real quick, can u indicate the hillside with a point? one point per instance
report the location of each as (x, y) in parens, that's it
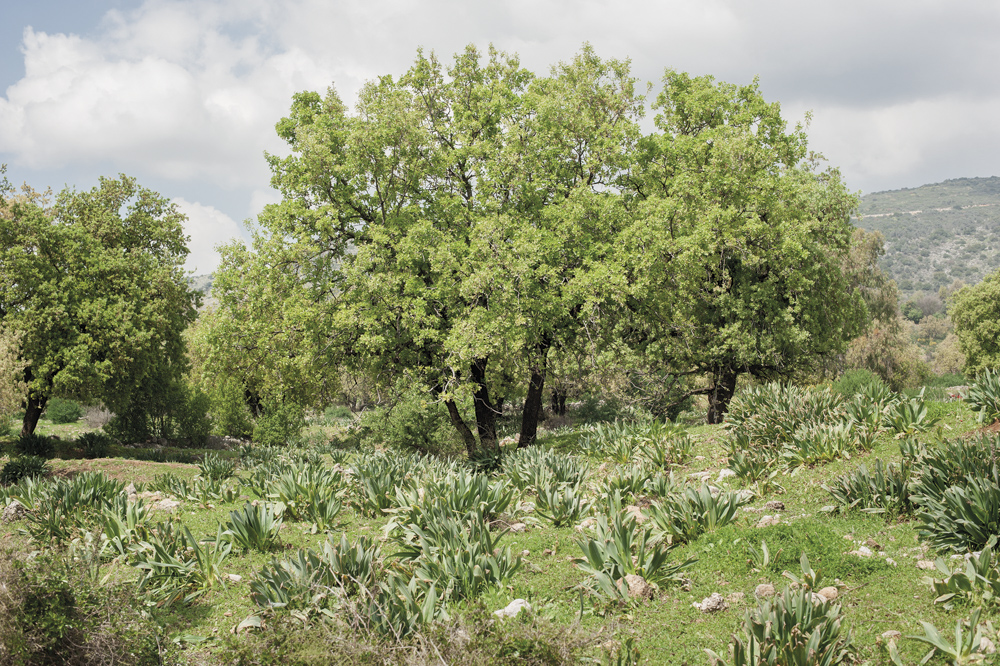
(936, 234)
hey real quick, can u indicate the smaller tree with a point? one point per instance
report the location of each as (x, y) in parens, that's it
(975, 312)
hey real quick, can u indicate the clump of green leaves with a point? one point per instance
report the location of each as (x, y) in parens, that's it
(968, 647)
(60, 410)
(977, 580)
(23, 467)
(34, 445)
(561, 504)
(255, 527)
(884, 490)
(683, 516)
(216, 468)
(984, 396)
(94, 444)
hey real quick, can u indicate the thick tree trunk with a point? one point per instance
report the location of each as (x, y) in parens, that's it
(462, 427)
(33, 409)
(722, 392)
(532, 411)
(486, 411)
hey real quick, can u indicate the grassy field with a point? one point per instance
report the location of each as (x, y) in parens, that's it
(880, 593)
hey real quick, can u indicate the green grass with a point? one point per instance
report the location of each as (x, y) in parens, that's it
(877, 596)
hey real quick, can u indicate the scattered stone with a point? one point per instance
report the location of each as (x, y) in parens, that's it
(873, 544)
(638, 588)
(13, 511)
(926, 565)
(228, 614)
(768, 521)
(725, 474)
(687, 585)
(234, 578)
(891, 635)
(711, 604)
(862, 551)
(525, 553)
(526, 507)
(986, 646)
(764, 591)
(518, 527)
(130, 489)
(735, 598)
(701, 476)
(699, 457)
(513, 608)
(775, 505)
(849, 537)
(829, 593)
(890, 561)
(548, 551)
(586, 524)
(165, 505)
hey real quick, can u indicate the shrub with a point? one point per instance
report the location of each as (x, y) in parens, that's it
(683, 516)
(94, 444)
(336, 414)
(884, 490)
(34, 445)
(59, 410)
(984, 396)
(216, 468)
(255, 527)
(853, 382)
(23, 467)
(415, 422)
(279, 425)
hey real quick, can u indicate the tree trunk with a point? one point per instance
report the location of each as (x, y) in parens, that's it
(558, 402)
(532, 411)
(462, 427)
(722, 393)
(486, 411)
(33, 409)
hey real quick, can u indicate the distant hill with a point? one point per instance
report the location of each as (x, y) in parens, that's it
(202, 283)
(938, 233)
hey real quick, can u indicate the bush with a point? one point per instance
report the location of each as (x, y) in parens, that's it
(852, 382)
(170, 409)
(415, 422)
(335, 414)
(63, 411)
(94, 444)
(279, 425)
(984, 396)
(34, 445)
(23, 467)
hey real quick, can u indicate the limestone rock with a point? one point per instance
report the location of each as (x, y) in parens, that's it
(830, 593)
(764, 591)
(513, 608)
(891, 635)
(926, 565)
(775, 505)
(518, 527)
(735, 598)
(165, 505)
(712, 604)
(12, 512)
(635, 512)
(862, 551)
(638, 588)
(725, 474)
(234, 578)
(768, 521)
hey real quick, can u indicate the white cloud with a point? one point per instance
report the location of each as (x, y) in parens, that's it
(207, 227)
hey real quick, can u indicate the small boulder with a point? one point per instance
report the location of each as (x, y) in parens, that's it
(513, 608)
(165, 505)
(768, 521)
(926, 565)
(13, 512)
(588, 523)
(735, 598)
(830, 593)
(891, 635)
(634, 511)
(712, 604)
(986, 646)
(862, 551)
(638, 588)
(234, 578)
(518, 527)
(724, 474)
(764, 591)
(526, 507)
(775, 505)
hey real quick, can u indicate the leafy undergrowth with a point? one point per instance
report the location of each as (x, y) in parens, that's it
(325, 567)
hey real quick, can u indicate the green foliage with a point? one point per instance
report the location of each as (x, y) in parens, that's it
(255, 527)
(968, 647)
(536, 467)
(308, 492)
(59, 410)
(279, 425)
(975, 311)
(415, 422)
(100, 292)
(94, 444)
(852, 382)
(909, 417)
(561, 504)
(976, 581)
(216, 468)
(163, 407)
(179, 567)
(34, 445)
(683, 516)
(23, 467)
(337, 414)
(884, 490)
(792, 630)
(984, 396)
(621, 547)
(812, 445)
(378, 477)
(456, 493)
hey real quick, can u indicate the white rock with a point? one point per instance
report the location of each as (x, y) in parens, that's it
(890, 561)
(892, 634)
(518, 527)
(526, 507)
(724, 474)
(234, 578)
(588, 523)
(638, 588)
(711, 604)
(764, 591)
(830, 593)
(986, 646)
(768, 521)
(513, 608)
(862, 551)
(635, 512)
(775, 505)
(926, 565)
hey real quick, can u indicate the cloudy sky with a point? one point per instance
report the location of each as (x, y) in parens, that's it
(184, 94)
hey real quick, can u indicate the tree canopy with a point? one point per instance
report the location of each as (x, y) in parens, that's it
(468, 225)
(975, 311)
(95, 289)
